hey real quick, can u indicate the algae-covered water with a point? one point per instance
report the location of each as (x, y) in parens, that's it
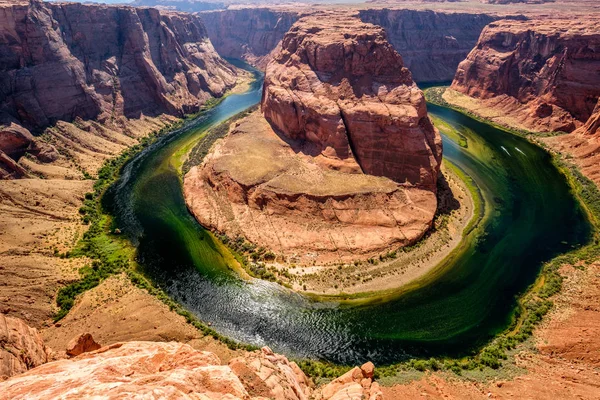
(530, 216)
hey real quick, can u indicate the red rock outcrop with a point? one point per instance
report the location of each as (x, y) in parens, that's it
(345, 161)
(432, 44)
(355, 384)
(153, 370)
(83, 343)
(257, 186)
(250, 34)
(338, 85)
(21, 347)
(67, 60)
(15, 141)
(544, 73)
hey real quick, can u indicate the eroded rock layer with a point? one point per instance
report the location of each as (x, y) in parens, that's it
(21, 347)
(61, 61)
(545, 73)
(258, 186)
(339, 86)
(250, 34)
(345, 161)
(432, 43)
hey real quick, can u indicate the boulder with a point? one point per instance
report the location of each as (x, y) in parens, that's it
(82, 344)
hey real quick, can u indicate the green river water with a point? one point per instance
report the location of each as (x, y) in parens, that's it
(529, 217)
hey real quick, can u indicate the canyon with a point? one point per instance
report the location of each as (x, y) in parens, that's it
(82, 83)
(431, 43)
(54, 70)
(541, 74)
(345, 147)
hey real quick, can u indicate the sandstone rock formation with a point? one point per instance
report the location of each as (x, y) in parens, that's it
(152, 370)
(15, 141)
(545, 73)
(355, 384)
(61, 61)
(338, 85)
(21, 347)
(250, 34)
(257, 186)
(347, 167)
(432, 44)
(82, 344)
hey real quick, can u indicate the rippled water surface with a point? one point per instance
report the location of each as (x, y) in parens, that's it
(530, 216)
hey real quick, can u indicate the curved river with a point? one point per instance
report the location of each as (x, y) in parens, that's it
(530, 216)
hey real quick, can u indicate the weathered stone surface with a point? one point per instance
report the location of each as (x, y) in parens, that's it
(272, 376)
(545, 73)
(250, 34)
(355, 384)
(82, 344)
(338, 85)
(173, 370)
(14, 139)
(347, 167)
(21, 347)
(432, 44)
(256, 185)
(61, 61)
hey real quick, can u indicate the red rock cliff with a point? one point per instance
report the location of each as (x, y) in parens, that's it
(338, 85)
(432, 44)
(249, 34)
(545, 73)
(61, 61)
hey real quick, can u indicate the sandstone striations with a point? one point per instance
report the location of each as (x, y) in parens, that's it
(347, 167)
(21, 347)
(432, 43)
(544, 74)
(341, 88)
(250, 34)
(61, 61)
(173, 370)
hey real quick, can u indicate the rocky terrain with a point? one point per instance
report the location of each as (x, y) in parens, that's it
(155, 370)
(250, 34)
(339, 87)
(432, 44)
(542, 74)
(21, 347)
(65, 61)
(62, 61)
(345, 148)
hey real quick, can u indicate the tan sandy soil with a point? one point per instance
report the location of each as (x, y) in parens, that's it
(564, 363)
(406, 267)
(37, 216)
(117, 311)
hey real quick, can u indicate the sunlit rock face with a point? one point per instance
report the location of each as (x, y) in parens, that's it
(61, 61)
(542, 72)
